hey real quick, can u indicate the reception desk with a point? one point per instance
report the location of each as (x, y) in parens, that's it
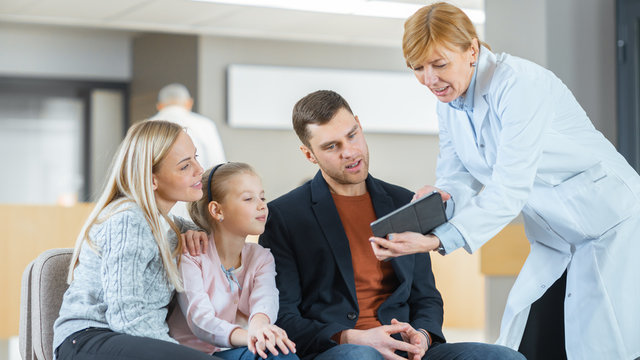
(28, 230)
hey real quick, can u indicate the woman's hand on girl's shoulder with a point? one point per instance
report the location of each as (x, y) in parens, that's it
(194, 243)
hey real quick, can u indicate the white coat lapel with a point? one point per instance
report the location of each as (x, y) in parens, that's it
(486, 67)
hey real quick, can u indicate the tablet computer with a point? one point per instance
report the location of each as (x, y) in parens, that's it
(421, 216)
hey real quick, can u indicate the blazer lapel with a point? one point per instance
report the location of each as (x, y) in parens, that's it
(327, 216)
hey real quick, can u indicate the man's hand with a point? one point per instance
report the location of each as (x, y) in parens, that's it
(380, 339)
(414, 337)
(194, 242)
(405, 243)
(428, 189)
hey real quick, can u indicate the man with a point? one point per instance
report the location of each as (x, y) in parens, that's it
(175, 104)
(336, 299)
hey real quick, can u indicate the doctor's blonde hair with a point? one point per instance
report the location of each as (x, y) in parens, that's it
(436, 24)
(131, 180)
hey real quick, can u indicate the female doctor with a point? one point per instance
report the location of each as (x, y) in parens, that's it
(513, 140)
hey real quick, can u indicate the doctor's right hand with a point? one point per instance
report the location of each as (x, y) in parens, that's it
(428, 189)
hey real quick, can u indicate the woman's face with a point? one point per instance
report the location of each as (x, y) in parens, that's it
(179, 175)
(447, 71)
(243, 208)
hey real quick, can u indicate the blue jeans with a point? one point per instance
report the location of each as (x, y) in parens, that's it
(455, 351)
(350, 352)
(471, 351)
(243, 353)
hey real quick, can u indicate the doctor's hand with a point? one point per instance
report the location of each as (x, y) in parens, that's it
(405, 243)
(428, 189)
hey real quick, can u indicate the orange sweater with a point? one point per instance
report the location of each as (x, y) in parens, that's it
(375, 280)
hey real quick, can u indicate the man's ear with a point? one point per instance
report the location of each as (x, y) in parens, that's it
(188, 104)
(358, 121)
(308, 154)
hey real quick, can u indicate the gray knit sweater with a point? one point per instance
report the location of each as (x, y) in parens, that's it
(125, 287)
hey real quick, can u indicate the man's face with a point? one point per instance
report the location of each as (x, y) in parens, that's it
(341, 152)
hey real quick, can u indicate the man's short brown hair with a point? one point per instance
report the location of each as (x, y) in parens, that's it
(319, 108)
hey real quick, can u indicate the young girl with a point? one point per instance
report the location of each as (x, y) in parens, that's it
(122, 274)
(230, 298)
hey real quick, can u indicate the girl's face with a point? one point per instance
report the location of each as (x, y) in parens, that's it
(243, 209)
(179, 175)
(446, 72)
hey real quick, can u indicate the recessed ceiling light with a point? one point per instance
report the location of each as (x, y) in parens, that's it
(377, 8)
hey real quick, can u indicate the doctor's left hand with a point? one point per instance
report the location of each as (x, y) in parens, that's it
(405, 243)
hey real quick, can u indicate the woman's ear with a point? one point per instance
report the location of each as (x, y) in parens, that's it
(154, 182)
(475, 49)
(215, 211)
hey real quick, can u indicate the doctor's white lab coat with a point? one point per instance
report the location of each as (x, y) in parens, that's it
(532, 149)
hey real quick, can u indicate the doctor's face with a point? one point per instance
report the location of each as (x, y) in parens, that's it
(447, 71)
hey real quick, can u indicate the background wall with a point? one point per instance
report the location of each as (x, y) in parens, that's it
(407, 160)
(60, 52)
(159, 60)
(573, 38)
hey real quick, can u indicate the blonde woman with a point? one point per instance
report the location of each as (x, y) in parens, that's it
(123, 274)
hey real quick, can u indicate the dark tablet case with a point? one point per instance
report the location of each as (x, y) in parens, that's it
(421, 216)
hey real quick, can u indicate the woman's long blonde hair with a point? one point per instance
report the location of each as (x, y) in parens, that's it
(436, 24)
(131, 180)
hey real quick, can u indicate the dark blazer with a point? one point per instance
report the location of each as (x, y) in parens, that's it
(315, 274)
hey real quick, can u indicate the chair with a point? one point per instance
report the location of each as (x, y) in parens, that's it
(43, 285)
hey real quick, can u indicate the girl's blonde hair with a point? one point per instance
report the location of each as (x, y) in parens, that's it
(215, 190)
(436, 24)
(130, 180)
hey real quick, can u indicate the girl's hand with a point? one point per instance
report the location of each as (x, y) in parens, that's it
(265, 336)
(194, 242)
(428, 189)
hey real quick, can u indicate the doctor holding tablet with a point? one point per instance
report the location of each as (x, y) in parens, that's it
(513, 139)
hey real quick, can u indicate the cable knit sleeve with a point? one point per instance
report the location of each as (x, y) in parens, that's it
(185, 224)
(136, 290)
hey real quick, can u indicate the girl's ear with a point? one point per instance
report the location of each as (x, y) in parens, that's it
(215, 211)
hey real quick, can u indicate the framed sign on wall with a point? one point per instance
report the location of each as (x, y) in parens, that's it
(262, 97)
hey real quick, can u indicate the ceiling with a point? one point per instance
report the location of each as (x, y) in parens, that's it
(191, 17)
